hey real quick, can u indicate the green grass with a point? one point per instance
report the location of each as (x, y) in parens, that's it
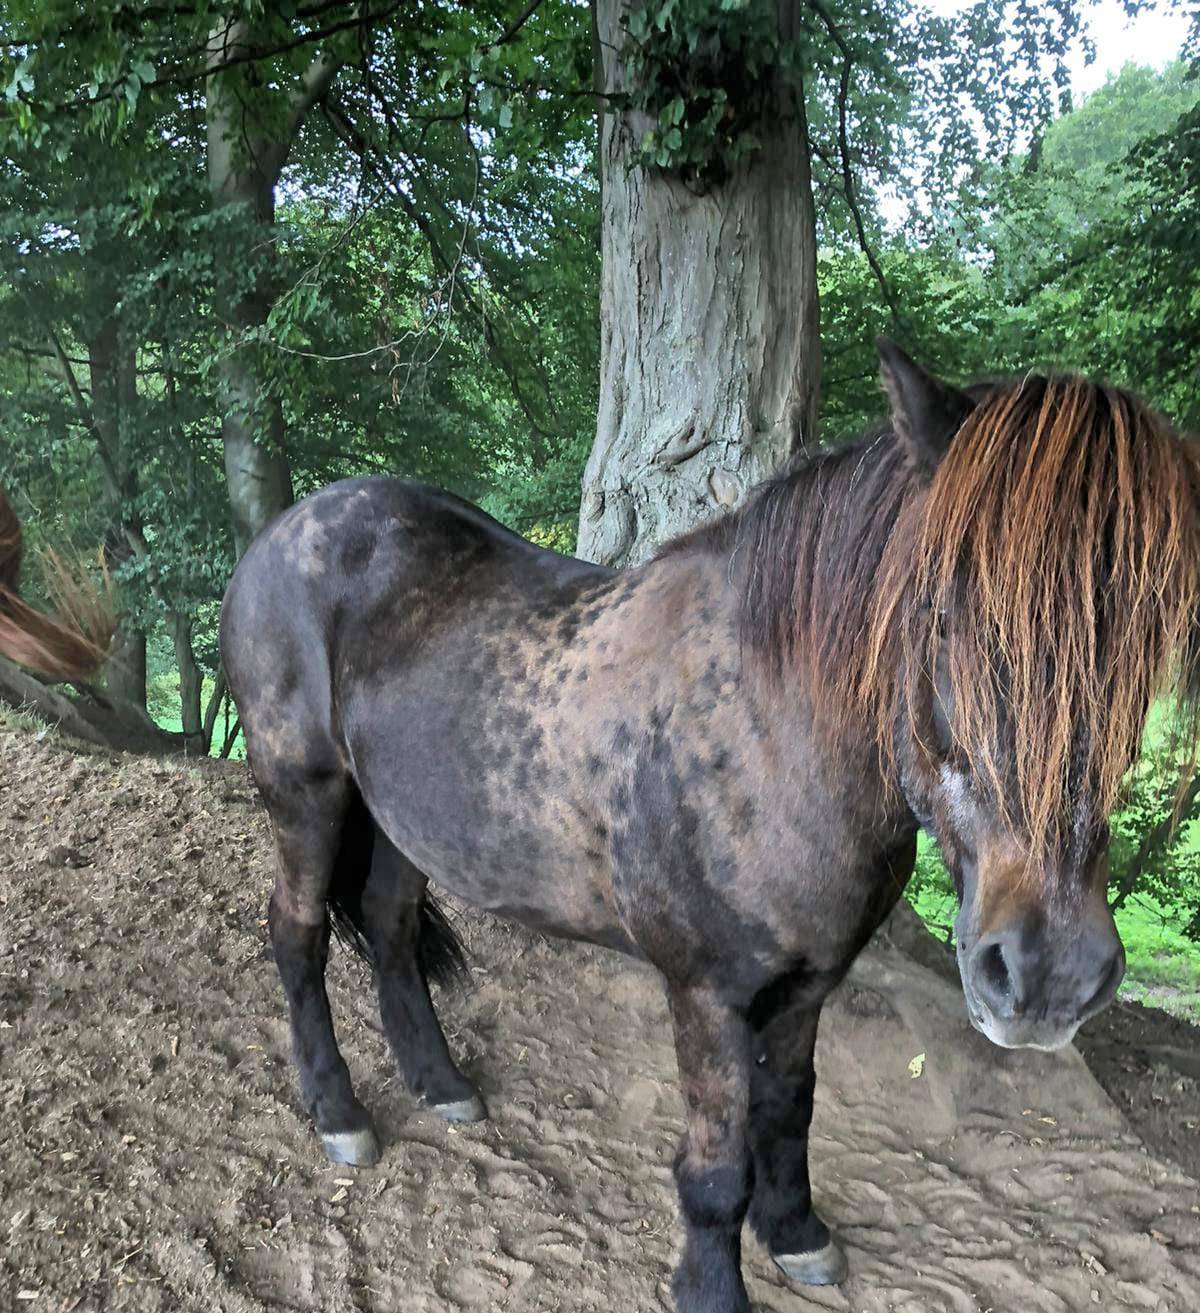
(1163, 968)
(162, 701)
(11, 718)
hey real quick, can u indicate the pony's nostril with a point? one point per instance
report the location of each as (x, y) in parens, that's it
(993, 980)
(1109, 985)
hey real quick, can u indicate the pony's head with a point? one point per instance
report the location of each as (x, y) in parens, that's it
(1038, 589)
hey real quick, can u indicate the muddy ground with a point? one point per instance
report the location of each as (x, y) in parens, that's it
(154, 1154)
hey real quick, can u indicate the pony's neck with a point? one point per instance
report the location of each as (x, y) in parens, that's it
(805, 554)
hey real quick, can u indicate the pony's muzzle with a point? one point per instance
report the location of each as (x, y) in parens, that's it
(1033, 988)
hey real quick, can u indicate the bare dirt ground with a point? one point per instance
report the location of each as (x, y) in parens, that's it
(154, 1154)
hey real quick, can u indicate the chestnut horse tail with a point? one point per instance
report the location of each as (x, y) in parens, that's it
(67, 646)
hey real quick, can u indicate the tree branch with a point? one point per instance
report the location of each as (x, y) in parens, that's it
(516, 25)
(211, 67)
(86, 414)
(353, 138)
(40, 353)
(848, 189)
(1153, 843)
(314, 86)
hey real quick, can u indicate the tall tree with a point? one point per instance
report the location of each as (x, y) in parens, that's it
(252, 127)
(723, 122)
(710, 354)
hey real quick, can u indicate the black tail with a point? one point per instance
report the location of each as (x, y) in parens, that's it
(350, 873)
(442, 957)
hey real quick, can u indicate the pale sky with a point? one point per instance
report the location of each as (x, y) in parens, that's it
(1153, 38)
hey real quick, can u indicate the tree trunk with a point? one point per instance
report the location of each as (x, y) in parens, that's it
(710, 358)
(191, 678)
(92, 716)
(242, 171)
(249, 140)
(113, 376)
(125, 668)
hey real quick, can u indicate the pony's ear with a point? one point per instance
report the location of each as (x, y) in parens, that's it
(926, 413)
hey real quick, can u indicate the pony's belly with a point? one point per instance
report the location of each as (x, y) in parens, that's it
(545, 879)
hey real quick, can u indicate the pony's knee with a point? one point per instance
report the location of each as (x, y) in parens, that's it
(298, 941)
(716, 1195)
(297, 905)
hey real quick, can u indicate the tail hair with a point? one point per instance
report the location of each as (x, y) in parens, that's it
(443, 957)
(440, 951)
(70, 645)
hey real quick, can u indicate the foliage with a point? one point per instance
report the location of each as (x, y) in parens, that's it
(702, 76)
(423, 321)
(1115, 179)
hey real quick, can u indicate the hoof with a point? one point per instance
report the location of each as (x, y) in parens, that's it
(355, 1148)
(462, 1110)
(820, 1267)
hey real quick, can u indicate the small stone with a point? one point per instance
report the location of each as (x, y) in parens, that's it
(62, 854)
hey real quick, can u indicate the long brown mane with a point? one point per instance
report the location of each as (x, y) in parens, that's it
(70, 645)
(1054, 559)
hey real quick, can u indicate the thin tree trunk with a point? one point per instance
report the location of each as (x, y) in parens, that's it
(113, 376)
(125, 667)
(191, 678)
(242, 171)
(710, 358)
(248, 143)
(231, 737)
(217, 699)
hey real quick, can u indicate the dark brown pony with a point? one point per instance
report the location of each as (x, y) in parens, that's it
(67, 646)
(718, 762)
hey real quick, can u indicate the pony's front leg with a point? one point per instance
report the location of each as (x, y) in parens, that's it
(713, 1169)
(782, 1081)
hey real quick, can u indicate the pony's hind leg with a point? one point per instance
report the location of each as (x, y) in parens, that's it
(308, 814)
(411, 941)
